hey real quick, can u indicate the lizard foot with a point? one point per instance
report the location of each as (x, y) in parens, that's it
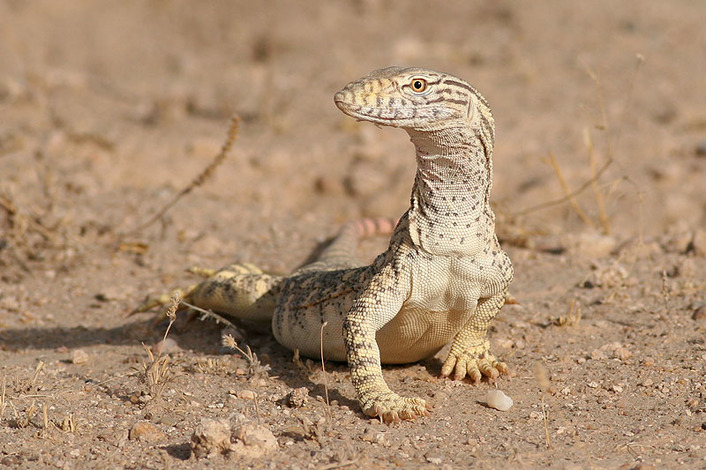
(392, 408)
(474, 364)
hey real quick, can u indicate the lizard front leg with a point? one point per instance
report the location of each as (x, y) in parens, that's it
(377, 305)
(470, 352)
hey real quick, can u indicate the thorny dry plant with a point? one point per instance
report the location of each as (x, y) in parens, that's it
(572, 318)
(542, 376)
(255, 368)
(156, 372)
(596, 173)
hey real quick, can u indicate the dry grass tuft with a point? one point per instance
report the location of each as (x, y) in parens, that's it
(597, 173)
(542, 376)
(3, 397)
(156, 372)
(572, 318)
(256, 369)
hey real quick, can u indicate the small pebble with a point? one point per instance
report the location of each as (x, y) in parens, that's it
(253, 441)
(498, 400)
(79, 356)
(165, 346)
(700, 149)
(698, 243)
(211, 437)
(699, 313)
(246, 394)
(298, 397)
(147, 432)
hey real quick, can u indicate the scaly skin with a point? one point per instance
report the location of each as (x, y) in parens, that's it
(443, 277)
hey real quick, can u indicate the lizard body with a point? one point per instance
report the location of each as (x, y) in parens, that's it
(443, 277)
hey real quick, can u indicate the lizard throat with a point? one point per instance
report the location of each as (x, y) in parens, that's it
(450, 210)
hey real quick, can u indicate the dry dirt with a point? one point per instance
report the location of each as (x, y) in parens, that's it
(109, 109)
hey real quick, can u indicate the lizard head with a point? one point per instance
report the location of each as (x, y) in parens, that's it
(413, 98)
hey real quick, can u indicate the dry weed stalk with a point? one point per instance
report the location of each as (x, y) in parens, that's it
(200, 178)
(323, 368)
(35, 376)
(567, 192)
(209, 314)
(3, 399)
(29, 414)
(68, 424)
(666, 294)
(45, 420)
(542, 376)
(255, 368)
(596, 173)
(573, 317)
(171, 312)
(156, 372)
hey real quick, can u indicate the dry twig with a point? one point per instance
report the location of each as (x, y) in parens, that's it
(200, 179)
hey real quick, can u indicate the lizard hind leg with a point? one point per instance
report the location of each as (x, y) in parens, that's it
(470, 352)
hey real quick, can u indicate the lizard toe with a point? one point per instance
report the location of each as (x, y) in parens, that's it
(392, 408)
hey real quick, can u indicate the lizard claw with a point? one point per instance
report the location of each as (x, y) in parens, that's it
(392, 408)
(475, 367)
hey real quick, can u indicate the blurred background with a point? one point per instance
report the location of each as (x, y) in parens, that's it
(109, 108)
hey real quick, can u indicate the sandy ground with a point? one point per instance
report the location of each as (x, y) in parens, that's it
(109, 109)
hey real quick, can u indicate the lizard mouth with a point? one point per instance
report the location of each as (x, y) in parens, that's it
(363, 113)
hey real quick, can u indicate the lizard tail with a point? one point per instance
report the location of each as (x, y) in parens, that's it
(240, 290)
(341, 252)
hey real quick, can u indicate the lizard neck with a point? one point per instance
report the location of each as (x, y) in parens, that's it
(450, 210)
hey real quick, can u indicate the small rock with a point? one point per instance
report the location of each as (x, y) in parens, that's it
(700, 149)
(498, 400)
(590, 245)
(165, 346)
(434, 458)
(246, 394)
(678, 241)
(381, 439)
(325, 184)
(146, 432)
(211, 437)
(698, 243)
(253, 440)
(622, 353)
(79, 356)
(606, 275)
(643, 466)
(598, 355)
(298, 397)
(699, 313)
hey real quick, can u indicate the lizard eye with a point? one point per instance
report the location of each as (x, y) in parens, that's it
(419, 85)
